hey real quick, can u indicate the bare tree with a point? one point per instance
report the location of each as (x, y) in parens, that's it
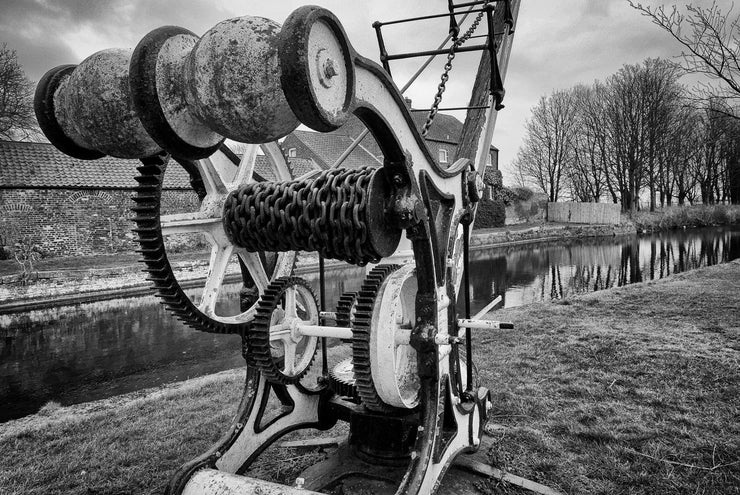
(638, 103)
(586, 175)
(711, 38)
(17, 119)
(548, 143)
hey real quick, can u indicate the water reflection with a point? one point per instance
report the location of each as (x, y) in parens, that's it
(526, 274)
(88, 351)
(83, 352)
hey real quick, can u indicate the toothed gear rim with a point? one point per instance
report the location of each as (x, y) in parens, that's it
(344, 308)
(342, 381)
(148, 227)
(361, 328)
(258, 337)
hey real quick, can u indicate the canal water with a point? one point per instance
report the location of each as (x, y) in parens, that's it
(84, 352)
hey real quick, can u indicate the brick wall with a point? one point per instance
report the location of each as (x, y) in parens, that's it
(65, 222)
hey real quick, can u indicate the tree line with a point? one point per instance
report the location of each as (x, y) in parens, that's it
(637, 138)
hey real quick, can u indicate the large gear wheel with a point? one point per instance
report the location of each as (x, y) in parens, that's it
(212, 179)
(361, 331)
(275, 344)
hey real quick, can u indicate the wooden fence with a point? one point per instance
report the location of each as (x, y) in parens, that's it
(593, 213)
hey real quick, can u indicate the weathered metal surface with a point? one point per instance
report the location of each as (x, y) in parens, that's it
(220, 176)
(211, 481)
(233, 81)
(247, 80)
(277, 346)
(93, 105)
(331, 213)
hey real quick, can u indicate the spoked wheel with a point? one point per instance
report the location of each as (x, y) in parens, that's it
(219, 175)
(276, 344)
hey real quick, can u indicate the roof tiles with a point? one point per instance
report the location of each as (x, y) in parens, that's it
(41, 165)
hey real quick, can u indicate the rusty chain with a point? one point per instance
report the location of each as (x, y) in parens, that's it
(327, 214)
(446, 73)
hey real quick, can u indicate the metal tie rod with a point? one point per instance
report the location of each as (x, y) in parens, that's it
(425, 17)
(461, 49)
(449, 109)
(485, 324)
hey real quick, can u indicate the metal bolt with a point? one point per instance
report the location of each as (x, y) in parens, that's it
(329, 69)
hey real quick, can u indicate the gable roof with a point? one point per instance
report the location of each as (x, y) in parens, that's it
(41, 165)
(326, 148)
(445, 129)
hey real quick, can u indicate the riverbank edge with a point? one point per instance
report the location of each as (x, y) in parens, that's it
(481, 239)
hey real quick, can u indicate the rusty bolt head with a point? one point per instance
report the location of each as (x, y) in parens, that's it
(329, 69)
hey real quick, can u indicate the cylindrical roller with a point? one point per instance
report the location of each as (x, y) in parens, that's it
(212, 482)
(158, 90)
(233, 78)
(92, 107)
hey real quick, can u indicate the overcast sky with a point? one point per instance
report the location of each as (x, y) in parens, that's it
(558, 43)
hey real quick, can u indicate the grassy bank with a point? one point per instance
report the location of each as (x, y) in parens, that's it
(678, 217)
(631, 390)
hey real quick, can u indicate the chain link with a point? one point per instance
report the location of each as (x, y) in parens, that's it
(446, 73)
(327, 214)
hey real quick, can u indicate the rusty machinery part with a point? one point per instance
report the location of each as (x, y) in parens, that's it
(275, 345)
(196, 91)
(313, 47)
(87, 110)
(152, 227)
(43, 103)
(155, 73)
(342, 380)
(340, 214)
(345, 309)
(361, 338)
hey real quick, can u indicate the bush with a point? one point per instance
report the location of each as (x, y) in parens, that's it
(26, 253)
(491, 213)
(676, 217)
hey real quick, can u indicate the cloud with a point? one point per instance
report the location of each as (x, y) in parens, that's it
(557, 44)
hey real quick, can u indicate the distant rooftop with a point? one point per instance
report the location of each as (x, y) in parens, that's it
(41, 165)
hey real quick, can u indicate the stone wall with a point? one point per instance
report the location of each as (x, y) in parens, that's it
(65, 222)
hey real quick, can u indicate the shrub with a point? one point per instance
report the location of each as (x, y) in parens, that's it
(26, 253)
(676, 217)
(491, 213)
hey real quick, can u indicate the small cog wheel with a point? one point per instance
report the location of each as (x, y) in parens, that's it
(342, 380)
(275, 344)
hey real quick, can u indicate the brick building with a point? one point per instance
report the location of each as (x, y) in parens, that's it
(69, 206)
(72, 207)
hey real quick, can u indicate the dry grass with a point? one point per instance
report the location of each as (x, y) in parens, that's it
(631, 390)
